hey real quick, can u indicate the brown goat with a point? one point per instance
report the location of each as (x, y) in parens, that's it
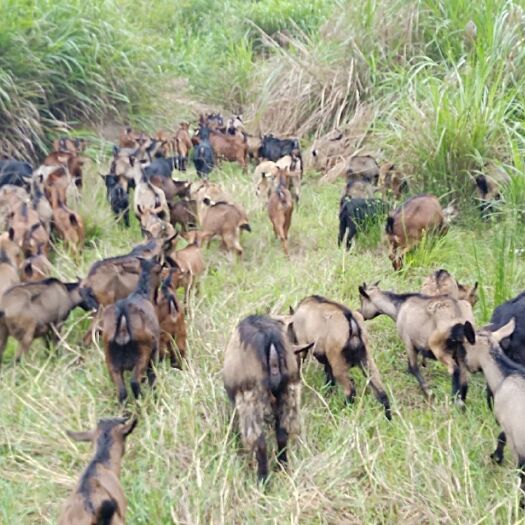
(261, 377)
(69, 161)
(131, 333)
(406, 225)
(69, 226)
(35, 268)
(69, 145)
(391, 181)
(98, 497)
(280, 209)
(184, 213)
(340, 341)
(424, 324)
(28, 231)
(183, 145)
(442, 283)
(229, 147)
(11, 197)
(8, 273)
(226, 221)
(28, 310)
(189, 267)
(172, 324)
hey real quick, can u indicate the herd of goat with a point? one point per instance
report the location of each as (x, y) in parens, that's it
(141, 319)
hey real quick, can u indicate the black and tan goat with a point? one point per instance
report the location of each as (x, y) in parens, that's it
(280, 209)
(424, 324)
(506, 380)
(340, 342)
(28, 310)
(261, 377)
(131, 333)
(98, 497)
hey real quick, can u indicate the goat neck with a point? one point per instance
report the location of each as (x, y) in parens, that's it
(389, 303)
(492, 372)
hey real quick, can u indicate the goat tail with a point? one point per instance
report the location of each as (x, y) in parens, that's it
(274, 368)
(123, 328)
(106, 512)
(389, 225)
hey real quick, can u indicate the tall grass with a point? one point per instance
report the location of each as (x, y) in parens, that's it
(69, 62)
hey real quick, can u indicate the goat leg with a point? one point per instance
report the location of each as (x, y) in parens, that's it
(25, 343)
(371, 372)
(282, 442)
(497, 455)
(262, 458)
(413, 369)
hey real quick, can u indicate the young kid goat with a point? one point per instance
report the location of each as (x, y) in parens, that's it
(340, 342)
(99, 498)
(280, 209)
(131, 334)
(261, 377)
(172, 324)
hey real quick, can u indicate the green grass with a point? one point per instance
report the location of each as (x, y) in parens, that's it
(184, 463)
(398, 72)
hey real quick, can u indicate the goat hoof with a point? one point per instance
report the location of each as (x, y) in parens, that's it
(497, 458)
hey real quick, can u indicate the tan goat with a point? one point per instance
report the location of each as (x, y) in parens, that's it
(340, 342)
(99, 498)
(69, 226)
(280, 209)
(424, 324)
(442, 283)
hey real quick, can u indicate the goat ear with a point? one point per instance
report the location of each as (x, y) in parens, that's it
(362, 291)
(505, 331)
(11, 234)
(376, 283)
(28, 269)
(469, 332)
(81, 436)
(73, 219)
(129, 427)
(301, 349)
(291, 310)
(474, 288)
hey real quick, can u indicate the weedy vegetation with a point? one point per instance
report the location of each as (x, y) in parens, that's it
(404, 79)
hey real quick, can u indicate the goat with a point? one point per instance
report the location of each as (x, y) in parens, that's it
(506, 380)
(232, 148)
(28, 310)
(35, 268)
(489, 186)
(8, 272)
(117, 196)
(66, 144)
(190, 265)
(514, 344)
(131, 333)
(226, 221)
(261, 378)
(340, 342)
(184, 212)
(28, 231)
(280, 209)
(98, 497)
(172, 323)
(264, 174)
(11, 197)
(72, 163)
(203, 154)
(423, 324)
(354, 214)
(15, 173)
(183, 145)
(272, 148)
(357, 189)
(406, 225)
(391, 181)
(69, 227)
(442, 283)
(293, 166)
(149, 197)
(363, 168)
